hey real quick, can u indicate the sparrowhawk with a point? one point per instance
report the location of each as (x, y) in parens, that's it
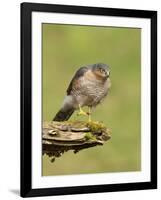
(88, 87)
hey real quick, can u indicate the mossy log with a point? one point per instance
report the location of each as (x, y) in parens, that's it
(60, 137)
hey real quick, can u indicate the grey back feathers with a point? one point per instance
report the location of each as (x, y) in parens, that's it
(80, 72)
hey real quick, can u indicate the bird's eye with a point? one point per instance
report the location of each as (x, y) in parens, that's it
(101, 70)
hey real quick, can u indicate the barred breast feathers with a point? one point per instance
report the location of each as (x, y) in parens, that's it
(90, 92)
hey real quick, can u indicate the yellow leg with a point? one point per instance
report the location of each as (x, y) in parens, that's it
(81, 112)
(89, 114)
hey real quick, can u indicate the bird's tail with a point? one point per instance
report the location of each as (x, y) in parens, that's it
(63, 115)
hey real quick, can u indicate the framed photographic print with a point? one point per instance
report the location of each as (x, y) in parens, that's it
(88, 99)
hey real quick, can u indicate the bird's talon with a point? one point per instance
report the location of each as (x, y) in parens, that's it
(82, 113)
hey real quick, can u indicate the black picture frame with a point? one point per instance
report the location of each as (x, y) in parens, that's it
(26, 102)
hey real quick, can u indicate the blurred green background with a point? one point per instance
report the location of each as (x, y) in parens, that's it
(65, 49)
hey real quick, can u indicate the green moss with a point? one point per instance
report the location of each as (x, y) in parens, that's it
(90, 136)
(96, 126)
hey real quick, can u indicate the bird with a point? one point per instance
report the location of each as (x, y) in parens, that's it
(88, 87)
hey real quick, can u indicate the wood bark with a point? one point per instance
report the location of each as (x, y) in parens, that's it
(60, 137)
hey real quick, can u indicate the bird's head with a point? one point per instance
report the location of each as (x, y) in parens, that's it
(101, 70)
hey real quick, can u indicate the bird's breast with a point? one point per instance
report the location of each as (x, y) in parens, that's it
(91, 92)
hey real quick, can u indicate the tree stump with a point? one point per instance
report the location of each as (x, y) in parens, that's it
(60, 137)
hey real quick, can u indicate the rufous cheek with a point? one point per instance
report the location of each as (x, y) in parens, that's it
(98, 75)
(90, 75)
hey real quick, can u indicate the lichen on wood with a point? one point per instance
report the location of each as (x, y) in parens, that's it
(60, 137)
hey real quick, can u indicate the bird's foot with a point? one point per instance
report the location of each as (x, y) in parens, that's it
(82, 112)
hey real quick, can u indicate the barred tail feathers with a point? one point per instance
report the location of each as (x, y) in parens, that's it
(63, 115)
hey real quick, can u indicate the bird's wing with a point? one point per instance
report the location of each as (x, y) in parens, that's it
(80, 72)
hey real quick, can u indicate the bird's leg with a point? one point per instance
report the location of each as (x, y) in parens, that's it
(89, 114)
(81, 112)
